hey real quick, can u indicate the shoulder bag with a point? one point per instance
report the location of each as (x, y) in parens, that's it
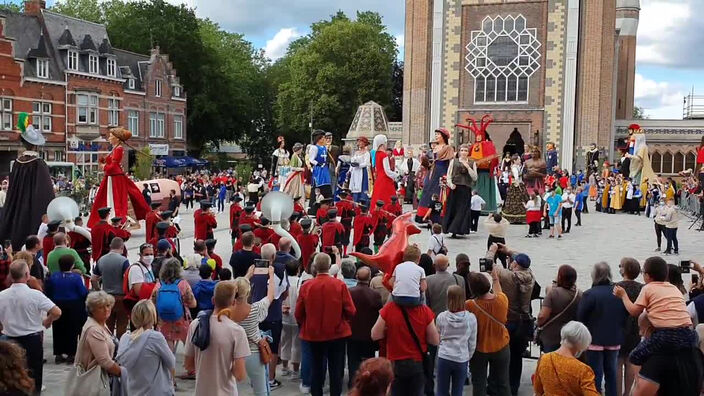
(93, 382)
(443, 248)
(488, 314)
(539, 330)
(427, 362)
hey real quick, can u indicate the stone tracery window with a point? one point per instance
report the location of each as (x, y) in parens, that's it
(501, 57)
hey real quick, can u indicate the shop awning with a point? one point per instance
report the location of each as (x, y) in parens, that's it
(171, 162)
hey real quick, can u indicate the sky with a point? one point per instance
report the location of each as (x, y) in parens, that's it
(669, 62)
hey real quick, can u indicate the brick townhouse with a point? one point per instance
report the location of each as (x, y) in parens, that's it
(65, 72)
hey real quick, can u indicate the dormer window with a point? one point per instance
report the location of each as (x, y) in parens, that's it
(157, 88)
(72, 60)
(111, 67)
(43, 68)
(177, 91)
(130, 83)
(93, 64)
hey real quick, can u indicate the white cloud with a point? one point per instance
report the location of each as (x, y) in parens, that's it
(659, 99)
(276, 47)
(668, 32)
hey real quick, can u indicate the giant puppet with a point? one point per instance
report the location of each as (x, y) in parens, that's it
(639, 165)
(30, 189)
(442, 154)
(384, 186)
(117, 191)
(483, 152)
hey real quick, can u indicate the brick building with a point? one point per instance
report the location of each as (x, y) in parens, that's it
(65, 72)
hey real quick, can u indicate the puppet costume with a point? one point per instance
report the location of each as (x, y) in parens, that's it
(359, 172)
(514, 144)
(640, 167)
(280, 164)
(551, 158)
(117, 191)
(408, 169)
(29, 191)
(443, 153)
(384, 186)
(535, 172)
(592, 160)
(514, 210)
(483, 152)
(460, 178)
(293, 184)
(318, 158)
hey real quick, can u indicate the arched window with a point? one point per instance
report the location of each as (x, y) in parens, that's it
(667, 163)
(656, 161)
(690, 160)
(678, 163)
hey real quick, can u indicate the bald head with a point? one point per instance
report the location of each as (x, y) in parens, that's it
(285, 244)
(441, 262)
(364, 274)
(59, 239)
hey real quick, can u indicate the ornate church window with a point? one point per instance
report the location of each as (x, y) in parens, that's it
(501, 57)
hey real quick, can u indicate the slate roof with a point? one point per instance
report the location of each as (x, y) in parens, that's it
(133, 63)
(29, 43)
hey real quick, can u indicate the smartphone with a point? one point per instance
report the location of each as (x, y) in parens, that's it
(486, 265)
(685, 265)
(261, 263)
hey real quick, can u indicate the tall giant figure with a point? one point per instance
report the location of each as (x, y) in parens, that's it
(442, 154)
(483, 152)
(318, 158)
(384, 186)
(30, 189)
(117, 191)
(640, 167)
(359, 173)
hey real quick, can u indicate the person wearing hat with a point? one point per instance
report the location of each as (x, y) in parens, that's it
(381, 224)
(249, 217)
(239, 244)
(332, 231)
(318, 158)
(264, 231)
(48, 240)
(293, 185)
(162, 229)
(298, 205)
(517, 284)
(99, 234)
(116, 189)
(308, 242)
(294, 227)
(384, 181)
(363, 226)
(117, 229)
(210, 246)
(150, 221)
(393, 206)
(443, 153)
(25, 202)
(333, 156)
(235, 213)
(79, 241)
(346, 210)
(280, 159)
(359, 173)
(174, 229)
(321, 215)
(204, 221)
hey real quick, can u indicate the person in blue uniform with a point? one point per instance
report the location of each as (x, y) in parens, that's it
(318, 158)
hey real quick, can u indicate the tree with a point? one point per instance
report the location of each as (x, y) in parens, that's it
(341, 64)
(395, 110)
(10, 7)
(639, 113)
(143, 165)
(89, 10)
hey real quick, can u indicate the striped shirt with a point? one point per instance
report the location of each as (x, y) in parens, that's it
(250, 324)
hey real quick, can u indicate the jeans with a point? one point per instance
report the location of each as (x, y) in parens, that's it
(306, 364)
(497, 380)
(585, 207)
(450, 371)
(409, 379)
(357, 352)
(671, 235)
(407, 301)
(567, 215)
(474, 220)
(34, 353)
(604, 363)
(334, 351)
(519, 333)
(258, 374)
(578, 215)
(221, 204)
(659, 231)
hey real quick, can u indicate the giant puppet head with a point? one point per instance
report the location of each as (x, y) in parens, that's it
(483, 151)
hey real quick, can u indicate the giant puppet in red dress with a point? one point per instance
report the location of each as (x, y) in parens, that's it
(117, 189)
(384, 186)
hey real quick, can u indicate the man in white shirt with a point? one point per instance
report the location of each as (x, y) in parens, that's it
(408, 279)
(141, 271)
(43, 227)
(476, 204)
(436, 242)
(21, 310)
(568, 198)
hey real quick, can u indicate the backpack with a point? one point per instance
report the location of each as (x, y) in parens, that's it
(169, 305)
(203, 292)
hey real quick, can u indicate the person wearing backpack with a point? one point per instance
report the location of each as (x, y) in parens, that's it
(203, 290)
(172, 297)
(436, 243)
(138, 280)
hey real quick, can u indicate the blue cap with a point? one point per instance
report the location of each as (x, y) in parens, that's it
(163, 245)
(522, 259)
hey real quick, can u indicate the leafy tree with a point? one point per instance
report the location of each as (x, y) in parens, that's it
(639, 113)
(143, 164)
(395, 110)
(5, 6)
(90, 10)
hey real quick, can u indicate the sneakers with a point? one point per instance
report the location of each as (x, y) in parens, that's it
(295, 376)
(285, 372)
(274, 384)
(304, 389)
(657, 249)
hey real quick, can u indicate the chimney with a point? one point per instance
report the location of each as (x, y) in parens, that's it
(34, 7)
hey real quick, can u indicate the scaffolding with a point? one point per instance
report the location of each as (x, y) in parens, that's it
(693, 106)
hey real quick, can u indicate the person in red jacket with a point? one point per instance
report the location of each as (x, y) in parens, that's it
(295, 228)
(324, 310)
(381, 224)
(117, 230)
(99, 234)
(210, 245)
(264, 231)
(238, 243)
(321, 215)
(345, 208)
(332, 231)
(79, 242)
(298, 206)
(48, 240)
(205, 221)
(394, 207)
(162, 228)
(249, 217)
(150, 221)
(363, 226)
(308, 242)
(236, 211)
(174, 229)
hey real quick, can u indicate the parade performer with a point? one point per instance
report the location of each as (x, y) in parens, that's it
(381, 224)
(343, 172)
(346, 210)
(318, 158)
(551, 157)
(535, 172)
(333, 155)
(116, 190)
(384, 178)
(280, 163)
(514, 209)
(99, 234)
(321, 215)
(514, 144)
(363, 226)
(640, 167)
(408, 169)
(204, 221)
(236, 211)
(359, 173)
(483, 152)
(308, 242)
(332, 231)
(293, 185)
(151, 220)
(442, 154)
(398, 154)
(80, 241)
(592, 159)
(30, 188)
(461, 176)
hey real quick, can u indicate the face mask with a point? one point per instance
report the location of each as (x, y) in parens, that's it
(147, 259)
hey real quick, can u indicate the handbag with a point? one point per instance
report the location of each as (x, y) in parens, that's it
(539, 330)
(81, 382)
(264, 351)
(427, 361)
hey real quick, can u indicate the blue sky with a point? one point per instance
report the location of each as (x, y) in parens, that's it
(669, 62)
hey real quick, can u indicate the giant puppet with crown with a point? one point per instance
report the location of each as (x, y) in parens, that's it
(483, 152)
(637, 157)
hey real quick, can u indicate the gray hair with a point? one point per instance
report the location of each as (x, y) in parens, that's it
(268, 251)
(575, 335)
(348, 269)
(601, 274)
(97, 299)
(170, 270)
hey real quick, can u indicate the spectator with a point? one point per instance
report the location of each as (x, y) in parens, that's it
(163, 252)
(33, 245)
(14, 375)
(174, 316)
(225, 274)
(605, 318)
(290, 342)
(674, 276)
(21, 310)
(241, 260)
(204, 289)
(408, 279)
(670, 218)
(140, 278)
(221, 364)
(108, 274)
(67, 290)
(406, 346)
(629, 269)
(373, 378)
(33, 282)
(145, 355)
(436, 243)
(61, 249)
(324, 309)
(462, 264)
(559, 307)
(367, 301)
(458, 339)
(438, 283)
(560, 372)
(497, 226)
(426, 262)
(349, 271)
(491, 311)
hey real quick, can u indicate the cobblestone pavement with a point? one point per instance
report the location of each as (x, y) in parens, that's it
(603, 237)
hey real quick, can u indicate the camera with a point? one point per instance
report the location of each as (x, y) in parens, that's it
(486, 265)
(261, 263)
(686, 265)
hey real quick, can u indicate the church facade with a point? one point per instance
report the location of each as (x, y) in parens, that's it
(559, 71)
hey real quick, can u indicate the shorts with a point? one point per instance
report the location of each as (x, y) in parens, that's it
(290, 344)
(275, 328)
(555, 219)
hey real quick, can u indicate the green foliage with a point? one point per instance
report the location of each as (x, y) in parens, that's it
(5, 6)
(90, 10)
(143, 165)
(639, 113)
